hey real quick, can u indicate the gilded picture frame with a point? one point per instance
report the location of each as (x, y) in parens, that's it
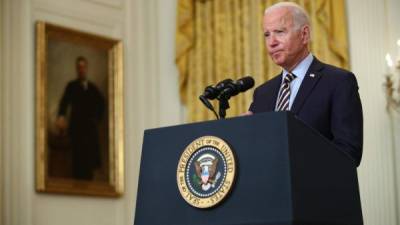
(79, 112)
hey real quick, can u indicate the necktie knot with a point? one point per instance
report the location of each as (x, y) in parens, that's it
(289, 77)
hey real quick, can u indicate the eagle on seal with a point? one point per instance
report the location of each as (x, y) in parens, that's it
(206, 170)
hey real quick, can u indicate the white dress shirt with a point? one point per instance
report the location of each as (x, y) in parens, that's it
(300, 72)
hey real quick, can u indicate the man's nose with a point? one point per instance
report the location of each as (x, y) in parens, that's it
(272, 41)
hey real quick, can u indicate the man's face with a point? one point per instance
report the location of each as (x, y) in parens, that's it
(81, 68)
(286, 46)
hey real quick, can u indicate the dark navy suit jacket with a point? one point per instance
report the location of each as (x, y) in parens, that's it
(327, 100)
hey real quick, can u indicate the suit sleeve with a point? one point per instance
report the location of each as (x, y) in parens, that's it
(100, 104)
(65, 101)
(347, 118)
(252, 107)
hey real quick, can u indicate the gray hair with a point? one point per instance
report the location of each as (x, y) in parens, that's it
(299, 15)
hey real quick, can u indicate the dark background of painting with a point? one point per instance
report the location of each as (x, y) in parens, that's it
(61, 56)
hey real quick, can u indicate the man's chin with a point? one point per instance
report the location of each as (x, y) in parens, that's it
(278, 61)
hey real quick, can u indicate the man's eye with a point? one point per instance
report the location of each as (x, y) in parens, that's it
(266, 34)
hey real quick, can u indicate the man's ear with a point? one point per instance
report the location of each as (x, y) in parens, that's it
(306, 34)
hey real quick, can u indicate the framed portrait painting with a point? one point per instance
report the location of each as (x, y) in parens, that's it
(79, 112)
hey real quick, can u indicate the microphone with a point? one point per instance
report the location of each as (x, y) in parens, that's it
(234, 88)
(211, 92)
(223, 91)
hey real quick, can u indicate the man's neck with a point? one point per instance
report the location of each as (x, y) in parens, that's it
(301, 58)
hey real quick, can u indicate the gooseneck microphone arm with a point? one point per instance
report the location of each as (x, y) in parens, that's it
(208, 105)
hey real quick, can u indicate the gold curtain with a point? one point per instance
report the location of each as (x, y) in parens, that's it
(219, 39)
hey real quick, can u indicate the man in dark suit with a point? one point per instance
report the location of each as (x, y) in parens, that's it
(86, 105)
(323, 96)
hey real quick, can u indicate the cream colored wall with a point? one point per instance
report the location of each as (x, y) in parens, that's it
(17, 113)
(370, 35)
(151, 99)
(1, 109)
(393, 34)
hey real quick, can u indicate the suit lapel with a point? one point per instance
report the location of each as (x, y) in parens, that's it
(310, 80)
(273, 95)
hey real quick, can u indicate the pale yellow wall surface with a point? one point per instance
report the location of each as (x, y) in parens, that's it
(1, 108)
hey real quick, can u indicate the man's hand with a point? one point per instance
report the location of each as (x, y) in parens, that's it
(248, 113)
(61, 125)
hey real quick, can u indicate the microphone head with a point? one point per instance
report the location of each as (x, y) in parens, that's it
(245, 83)
(234, 88)
(210, 92)
(222, 85)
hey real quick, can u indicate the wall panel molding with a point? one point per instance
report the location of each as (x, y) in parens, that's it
(79, 14)
(151, 98)
(118, 4)
(167, 70)
(142, 88)
(2, 108)
(135, 106)
(17, 114)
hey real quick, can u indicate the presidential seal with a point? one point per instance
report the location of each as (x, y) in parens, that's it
(206, 172)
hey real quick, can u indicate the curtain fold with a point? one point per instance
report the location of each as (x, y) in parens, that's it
(219, 39)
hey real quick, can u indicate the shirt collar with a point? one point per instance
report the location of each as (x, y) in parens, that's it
(301, 69)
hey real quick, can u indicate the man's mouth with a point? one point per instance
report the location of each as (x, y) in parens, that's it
(276, 52)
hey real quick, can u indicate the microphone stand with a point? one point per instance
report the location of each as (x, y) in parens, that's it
(223, 105)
